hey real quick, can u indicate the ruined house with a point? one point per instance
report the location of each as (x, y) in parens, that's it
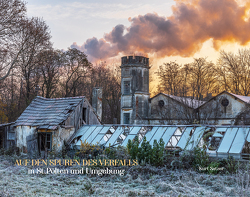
(136, 105)
(138, 108)
(7, 136)
(168, 109)
(47, 122)
(224, 109)
(135, 89)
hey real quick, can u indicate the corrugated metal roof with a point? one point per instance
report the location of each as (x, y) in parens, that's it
(48, 113)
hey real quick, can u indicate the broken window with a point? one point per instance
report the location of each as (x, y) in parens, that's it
(161, 103)
(175, 137)
(84, 114)
(111, 141)
(44, 139)
(246, 149)
(158, 135)
(227, 140)
(130, 134)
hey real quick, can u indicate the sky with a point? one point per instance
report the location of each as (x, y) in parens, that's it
(165, 30)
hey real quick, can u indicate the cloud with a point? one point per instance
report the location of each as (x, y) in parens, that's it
(192, 23)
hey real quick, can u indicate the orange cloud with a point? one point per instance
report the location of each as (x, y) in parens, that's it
(193, 22)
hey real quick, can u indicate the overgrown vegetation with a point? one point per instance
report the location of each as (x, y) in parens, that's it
(88, 150)
(146, 154)
(138, 181)
(159, 173)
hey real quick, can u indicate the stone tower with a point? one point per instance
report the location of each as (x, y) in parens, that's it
(134, 89)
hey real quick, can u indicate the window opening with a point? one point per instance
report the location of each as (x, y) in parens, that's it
(84, 114)
(44, 141)
(175, 137)
(126, 118)
(161, 103)
(126, 87)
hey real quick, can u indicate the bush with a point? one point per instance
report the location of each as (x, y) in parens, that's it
(88, 150)
(200, 157)
(10, 151)
(229, 164)
(146, 153)
(212, 167)
(118, 152)
(195, 159)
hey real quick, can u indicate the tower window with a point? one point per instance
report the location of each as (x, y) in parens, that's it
(126, 118)
(126, 87)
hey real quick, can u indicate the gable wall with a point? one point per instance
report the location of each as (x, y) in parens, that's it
(172, 110)
(215, 113)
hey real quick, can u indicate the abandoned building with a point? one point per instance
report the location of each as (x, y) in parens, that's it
(167, 109)
(135, 89)
(225, 109)
(223, 141)
(157, 117)
(138, 108)
(7, 136)
(48, 122)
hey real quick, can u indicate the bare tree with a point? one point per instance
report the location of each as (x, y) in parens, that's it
(37, 34)
(202, 77)
(50, 62)
(12, 13)
(75, 69)
(234, 71)
(169, 74)
(108, 77)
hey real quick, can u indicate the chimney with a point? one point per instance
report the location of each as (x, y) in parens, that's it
(97, 101)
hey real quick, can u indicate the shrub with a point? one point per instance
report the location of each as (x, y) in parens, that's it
(10, 151)
(118, 152)
(88, 150)
(146, 153)
(133, 147)
(229, 164)
(212, 167)
(195, 158)
(200, 157)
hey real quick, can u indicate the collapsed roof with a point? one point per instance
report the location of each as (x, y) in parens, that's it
(221, 141)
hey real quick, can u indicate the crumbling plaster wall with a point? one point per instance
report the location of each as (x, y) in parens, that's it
(60, 135)
(21, 133)
(214, 112)
(172, 112)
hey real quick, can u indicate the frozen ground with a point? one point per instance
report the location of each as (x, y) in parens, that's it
(138, 181)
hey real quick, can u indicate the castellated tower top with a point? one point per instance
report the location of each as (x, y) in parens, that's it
(135, 60)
